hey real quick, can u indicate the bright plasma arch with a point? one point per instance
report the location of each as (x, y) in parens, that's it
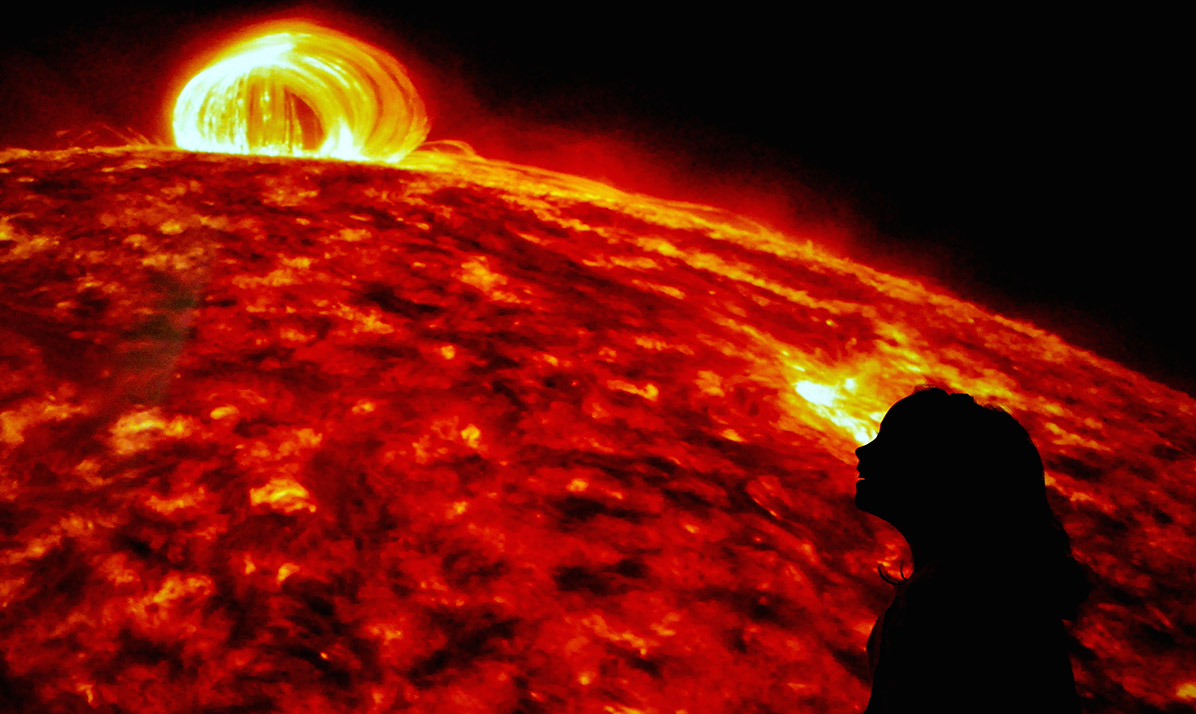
(297, 89)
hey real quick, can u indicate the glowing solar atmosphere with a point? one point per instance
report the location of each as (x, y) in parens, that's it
(309, 403)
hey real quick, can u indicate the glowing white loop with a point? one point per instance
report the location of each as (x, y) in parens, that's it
(302, 90)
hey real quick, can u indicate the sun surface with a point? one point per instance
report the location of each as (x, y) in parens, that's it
(297, 435)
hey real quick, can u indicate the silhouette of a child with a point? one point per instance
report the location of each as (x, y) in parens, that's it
(978, 625)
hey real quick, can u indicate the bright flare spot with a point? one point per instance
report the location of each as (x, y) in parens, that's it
(296, 89)
(816, 393)
(830, 402)
(137, 431)
(284, 495)
(285, 571)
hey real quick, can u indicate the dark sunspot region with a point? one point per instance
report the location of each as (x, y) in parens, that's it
(294, 435)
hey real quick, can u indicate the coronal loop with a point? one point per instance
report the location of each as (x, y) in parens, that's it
(297, 89)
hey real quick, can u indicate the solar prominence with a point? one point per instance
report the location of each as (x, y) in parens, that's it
(295, 89)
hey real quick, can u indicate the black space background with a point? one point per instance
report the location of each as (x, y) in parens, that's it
(1030, 161)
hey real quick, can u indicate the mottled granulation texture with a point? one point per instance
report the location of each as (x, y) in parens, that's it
(298, 436)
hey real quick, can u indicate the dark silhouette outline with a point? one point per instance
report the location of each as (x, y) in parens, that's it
(978, 625)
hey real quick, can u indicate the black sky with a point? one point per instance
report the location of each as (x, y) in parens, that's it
(1024, 161)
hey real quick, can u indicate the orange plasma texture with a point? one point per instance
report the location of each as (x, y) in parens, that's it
(296, 435)
(291, 435)
(292, 88)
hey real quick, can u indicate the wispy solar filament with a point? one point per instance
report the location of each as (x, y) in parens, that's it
(302, 90)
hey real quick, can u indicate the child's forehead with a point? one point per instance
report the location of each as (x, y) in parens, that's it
(909, 415)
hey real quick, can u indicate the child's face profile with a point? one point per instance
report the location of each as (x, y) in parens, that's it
(895, 464)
